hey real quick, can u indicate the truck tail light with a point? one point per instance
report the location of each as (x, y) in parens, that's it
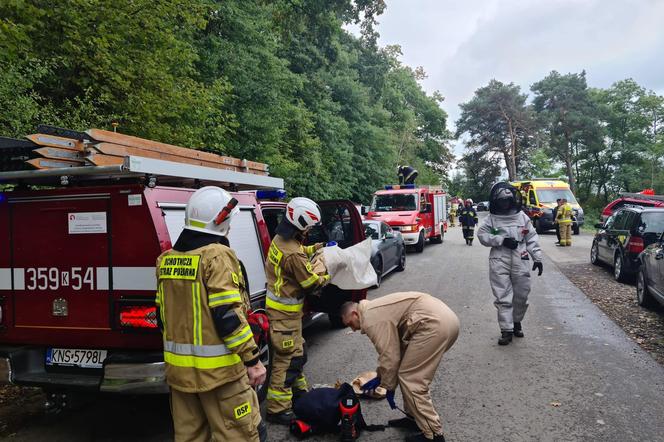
(138, 316)
(635, 245)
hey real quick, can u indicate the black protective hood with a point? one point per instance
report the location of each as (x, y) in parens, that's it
(288, 231)
(504, 190)
(192, 240)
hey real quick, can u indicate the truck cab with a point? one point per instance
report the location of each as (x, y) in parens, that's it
(419, 213)
(77, 270)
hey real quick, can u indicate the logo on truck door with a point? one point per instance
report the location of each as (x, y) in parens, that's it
(60, 307)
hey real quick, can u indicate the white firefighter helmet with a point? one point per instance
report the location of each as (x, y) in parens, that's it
(210, 210)
(303, 213)
(469, 201)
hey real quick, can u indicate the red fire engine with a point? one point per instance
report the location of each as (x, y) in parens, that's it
(77, 266)
(418, 212)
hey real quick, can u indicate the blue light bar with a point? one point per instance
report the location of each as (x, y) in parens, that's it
(276, 194)
(402, 186)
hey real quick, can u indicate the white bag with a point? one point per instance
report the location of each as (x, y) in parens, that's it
(350, 269)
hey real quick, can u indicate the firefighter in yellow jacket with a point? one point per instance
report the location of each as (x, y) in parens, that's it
(290, 276)
(211, 358)
(564, 220)
(411, 331)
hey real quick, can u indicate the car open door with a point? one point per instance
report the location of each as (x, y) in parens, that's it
(342, 223)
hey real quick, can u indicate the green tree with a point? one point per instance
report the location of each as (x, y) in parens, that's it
(569, 117)
(498, 121)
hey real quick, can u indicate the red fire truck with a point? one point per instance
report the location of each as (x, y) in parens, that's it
(77, 267)
(418, 212)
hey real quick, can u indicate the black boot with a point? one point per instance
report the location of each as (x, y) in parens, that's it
(419, 437)
(518, 331)
(470, 242)
(505, 337)
(283, 418)
(404, 422)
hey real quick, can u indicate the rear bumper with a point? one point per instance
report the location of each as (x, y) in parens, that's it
(122, 373)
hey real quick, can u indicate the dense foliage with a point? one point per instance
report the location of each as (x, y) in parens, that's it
(274, 81)
(602, 141)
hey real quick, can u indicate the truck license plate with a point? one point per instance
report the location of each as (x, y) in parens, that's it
(75, 358)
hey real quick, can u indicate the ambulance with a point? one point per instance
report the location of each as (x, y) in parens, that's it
(539, 200)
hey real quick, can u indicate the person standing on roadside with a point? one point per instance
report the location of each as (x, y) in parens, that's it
(513, 240)
(468, 221)
(290, 277)
(564, 218)
(555, 220)
(212, 361)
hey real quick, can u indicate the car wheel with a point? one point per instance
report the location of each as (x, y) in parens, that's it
(575, 229)
(419, 247)
(594, 254)
(266, 359)
(643, 296)
(402, 261)
(619, 268)
(438, 239)
(538, 227)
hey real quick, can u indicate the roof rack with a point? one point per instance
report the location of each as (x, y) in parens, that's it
(640, 196)
(147, 170)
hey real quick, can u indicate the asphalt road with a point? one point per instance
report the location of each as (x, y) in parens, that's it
(574, 377)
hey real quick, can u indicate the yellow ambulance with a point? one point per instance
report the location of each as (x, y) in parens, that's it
(539, 200)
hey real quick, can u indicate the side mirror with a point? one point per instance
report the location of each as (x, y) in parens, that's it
(363, 210)
(599, 226)
(388, 235)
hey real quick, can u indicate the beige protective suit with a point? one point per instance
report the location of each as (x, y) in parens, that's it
(410, 331)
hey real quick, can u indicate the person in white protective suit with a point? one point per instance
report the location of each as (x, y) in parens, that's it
(512, 238)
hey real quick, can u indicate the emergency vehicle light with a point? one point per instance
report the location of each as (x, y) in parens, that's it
(276, 194)
(401, 186)
(138, 316)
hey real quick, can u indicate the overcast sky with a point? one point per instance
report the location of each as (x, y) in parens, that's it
(462, 44)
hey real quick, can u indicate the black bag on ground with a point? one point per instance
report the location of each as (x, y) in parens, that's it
(321, 410)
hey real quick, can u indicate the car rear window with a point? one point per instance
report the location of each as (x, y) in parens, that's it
(652, 222)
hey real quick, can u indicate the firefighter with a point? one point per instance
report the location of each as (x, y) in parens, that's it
(411, 331)
(559, 203)
(564, 219)
(468, 221)
(406, 174)
(454, 207)
(512, 238)
(210, 355)
(290, 276)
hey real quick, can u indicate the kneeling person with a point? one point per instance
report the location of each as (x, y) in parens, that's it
(411, 331)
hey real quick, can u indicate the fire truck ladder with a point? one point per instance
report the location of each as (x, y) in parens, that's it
(151, 171)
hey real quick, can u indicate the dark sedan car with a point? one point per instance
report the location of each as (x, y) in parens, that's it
(650, 281)
(389, 251)
(623, 236)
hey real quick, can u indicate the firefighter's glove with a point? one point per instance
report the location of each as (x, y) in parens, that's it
(331, 244)
(390, 399)
(539, 267)
(371, 385)
(510, 243)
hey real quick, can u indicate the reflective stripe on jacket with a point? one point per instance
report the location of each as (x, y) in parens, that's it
(290, 275)
(564, 215)
(190, 285)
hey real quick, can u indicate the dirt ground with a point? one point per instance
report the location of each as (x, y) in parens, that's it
(618, 301)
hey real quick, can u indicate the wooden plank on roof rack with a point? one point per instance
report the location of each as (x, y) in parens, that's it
(105, 160)
(46, 163)
(118, 150)
(56, 153)
(155, 146)
(53, 141)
